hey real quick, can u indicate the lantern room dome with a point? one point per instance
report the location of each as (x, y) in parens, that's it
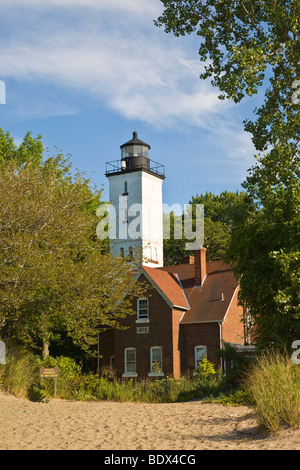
(135, 148)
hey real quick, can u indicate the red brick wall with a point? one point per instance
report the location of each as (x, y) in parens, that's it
(177, 314)
(161, 325)
(195, 334)
(106, 348)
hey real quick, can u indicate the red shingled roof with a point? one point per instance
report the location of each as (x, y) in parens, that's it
(208, 303)
(169, 285)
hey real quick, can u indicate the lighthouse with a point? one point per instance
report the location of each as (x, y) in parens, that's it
(135, 194)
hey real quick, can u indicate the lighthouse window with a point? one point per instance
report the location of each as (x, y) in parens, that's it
(122, 252)
(137, 150)
(125, 188)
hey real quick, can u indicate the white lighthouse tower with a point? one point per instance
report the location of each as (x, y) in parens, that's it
(135, 193)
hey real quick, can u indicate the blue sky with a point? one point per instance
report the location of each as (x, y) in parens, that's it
(86, 73)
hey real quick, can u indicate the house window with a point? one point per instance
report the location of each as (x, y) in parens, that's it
(156, 366)
(142, 310)
(200, 352)
(130, 362)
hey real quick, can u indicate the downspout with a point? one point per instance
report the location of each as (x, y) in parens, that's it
(221, 344)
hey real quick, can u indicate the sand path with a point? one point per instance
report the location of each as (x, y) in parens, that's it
(60, 424)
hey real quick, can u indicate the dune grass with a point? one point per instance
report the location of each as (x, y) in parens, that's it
(273, 384)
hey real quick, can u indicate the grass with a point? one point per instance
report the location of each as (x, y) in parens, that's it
(17, 376)
(20, 377)
(273, 385)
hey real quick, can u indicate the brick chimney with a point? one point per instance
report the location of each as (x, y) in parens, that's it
(189, 259)
(200, 266)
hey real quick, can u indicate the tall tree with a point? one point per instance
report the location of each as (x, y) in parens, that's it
(247, 46)
(244, 45)
(219, 212)
(54, 275)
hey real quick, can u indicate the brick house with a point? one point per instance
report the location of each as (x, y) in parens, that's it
(189, 311)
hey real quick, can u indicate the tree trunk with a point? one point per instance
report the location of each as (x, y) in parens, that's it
(45, 348)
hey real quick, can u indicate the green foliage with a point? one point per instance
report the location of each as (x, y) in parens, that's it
(205, 368)
(265, 251)
(174, 244)
(19, 375)
(37, 393)
(237, 398)
(31, 150)
(219, 213)
(273, 385)
(55, 273)
(243, 45)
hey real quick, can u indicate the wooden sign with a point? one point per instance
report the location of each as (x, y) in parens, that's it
(49, 373)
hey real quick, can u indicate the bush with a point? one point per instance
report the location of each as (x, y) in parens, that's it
(36, 393)
(205, 368)
(68, 378)
(274, 387)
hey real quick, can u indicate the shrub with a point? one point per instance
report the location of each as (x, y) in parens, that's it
(205, 368)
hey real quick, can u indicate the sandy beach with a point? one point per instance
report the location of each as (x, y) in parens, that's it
(69, 425)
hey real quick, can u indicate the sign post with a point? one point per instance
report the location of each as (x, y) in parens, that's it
(49, 373)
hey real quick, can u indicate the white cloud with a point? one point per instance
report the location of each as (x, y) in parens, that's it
(129, 65)
(138, 7)
(142, 79)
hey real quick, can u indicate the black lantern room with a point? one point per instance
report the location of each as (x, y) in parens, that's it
(135, 154)
(135, 157)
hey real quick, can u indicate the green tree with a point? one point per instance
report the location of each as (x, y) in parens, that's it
(265, 252)
(247, 46)
(244, 45)
(54, 274)
(174, 241)
(219, 212)
(31, 149)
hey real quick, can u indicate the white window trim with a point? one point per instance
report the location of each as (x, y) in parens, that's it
(142, 320)
(156, 374)
(126, 373)
(203, 346)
